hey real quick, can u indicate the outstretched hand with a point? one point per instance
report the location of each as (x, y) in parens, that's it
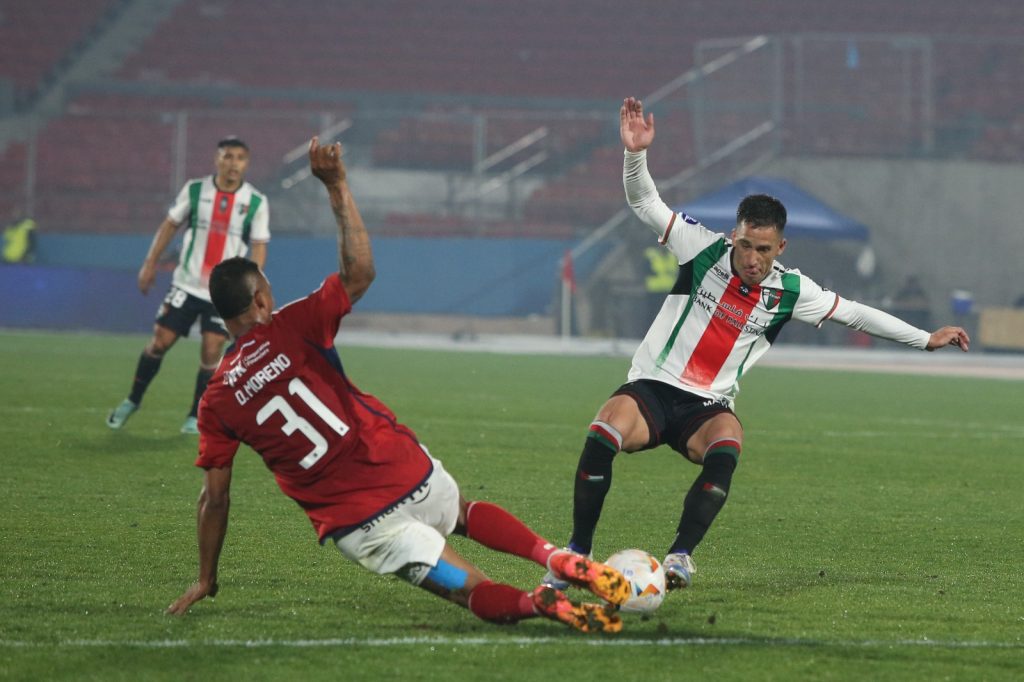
(637, 132)
(193, 594)
(325, 162)
(949, 336)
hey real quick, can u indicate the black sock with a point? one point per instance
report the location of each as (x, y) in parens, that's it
(202, 378)
(706, 497)
(593, 480)
(145, 371)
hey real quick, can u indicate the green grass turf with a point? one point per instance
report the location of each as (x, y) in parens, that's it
(874, 530)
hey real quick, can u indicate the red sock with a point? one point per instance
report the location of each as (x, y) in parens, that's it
(500, 603)
(493, 527)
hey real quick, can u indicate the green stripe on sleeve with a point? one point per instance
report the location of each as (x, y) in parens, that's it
(254, 204)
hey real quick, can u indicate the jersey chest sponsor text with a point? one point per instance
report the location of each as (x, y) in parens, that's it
(724, 319)
(714, 306)
(247, 384)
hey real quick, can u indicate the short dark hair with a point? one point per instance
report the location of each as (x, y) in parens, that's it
(761, 210)
(232, 141)
(232, 285)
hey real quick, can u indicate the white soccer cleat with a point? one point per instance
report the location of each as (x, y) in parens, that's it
(550, 580)
(191, 426)
(679, 570)
(120, 414)
(554, 583)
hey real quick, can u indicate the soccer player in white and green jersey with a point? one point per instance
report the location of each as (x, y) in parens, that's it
(729, 302)
(225, 216)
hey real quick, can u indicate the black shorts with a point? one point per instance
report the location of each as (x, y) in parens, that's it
(672, 414)
(180, 309)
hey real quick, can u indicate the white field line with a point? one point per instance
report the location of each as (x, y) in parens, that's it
(512, 641)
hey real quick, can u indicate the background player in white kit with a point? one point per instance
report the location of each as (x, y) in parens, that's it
(225, 216)
(728, 304)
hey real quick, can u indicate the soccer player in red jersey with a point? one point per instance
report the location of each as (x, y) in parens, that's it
(365, 481)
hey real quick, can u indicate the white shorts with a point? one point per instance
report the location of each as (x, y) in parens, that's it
(412, 533)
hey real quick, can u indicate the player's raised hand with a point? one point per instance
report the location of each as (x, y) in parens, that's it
(949, 336)
(193, 594)
(637, 132)
(325, 162)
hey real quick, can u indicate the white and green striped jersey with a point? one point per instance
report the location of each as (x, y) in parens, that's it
(218, 225)
(712, 327)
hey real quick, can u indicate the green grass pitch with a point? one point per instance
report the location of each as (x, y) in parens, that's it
(874, 530)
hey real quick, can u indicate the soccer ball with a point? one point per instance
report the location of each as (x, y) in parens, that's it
(646, 578)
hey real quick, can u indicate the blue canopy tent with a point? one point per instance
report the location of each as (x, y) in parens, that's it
(807, 216)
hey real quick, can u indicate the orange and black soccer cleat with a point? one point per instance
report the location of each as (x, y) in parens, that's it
(604, 581)
(553, 604)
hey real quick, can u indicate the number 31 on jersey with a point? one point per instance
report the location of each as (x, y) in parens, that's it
(294, 422)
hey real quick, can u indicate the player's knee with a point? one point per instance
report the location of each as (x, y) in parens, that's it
(723, 452)
(606, 436)
(461, 521)
(621, 414)
(595, 465)
(159, 345)
(155, 350)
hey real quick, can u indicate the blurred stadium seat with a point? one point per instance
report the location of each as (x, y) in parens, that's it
(460, 81)
(33, 41)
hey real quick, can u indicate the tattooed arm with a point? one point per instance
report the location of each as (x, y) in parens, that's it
(355, 258)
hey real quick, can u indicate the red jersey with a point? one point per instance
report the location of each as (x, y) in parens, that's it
(280, 388)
